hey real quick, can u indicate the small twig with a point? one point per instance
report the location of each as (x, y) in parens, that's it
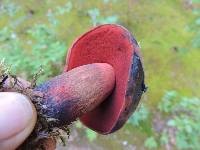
(35, 77)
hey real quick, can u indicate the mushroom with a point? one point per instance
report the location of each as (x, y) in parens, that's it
(102, 83)
(114, 45)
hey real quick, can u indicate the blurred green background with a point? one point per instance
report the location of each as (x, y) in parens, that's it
(39, 32)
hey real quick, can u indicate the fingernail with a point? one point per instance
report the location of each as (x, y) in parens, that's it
(16, 112)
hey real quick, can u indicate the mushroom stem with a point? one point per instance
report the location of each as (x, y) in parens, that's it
(70, 95)
(74, 93)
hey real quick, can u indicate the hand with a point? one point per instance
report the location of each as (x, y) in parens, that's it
(17, 119)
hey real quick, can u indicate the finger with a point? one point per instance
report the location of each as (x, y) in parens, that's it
(17, 119)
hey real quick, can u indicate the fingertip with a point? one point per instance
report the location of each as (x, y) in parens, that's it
(17, 119)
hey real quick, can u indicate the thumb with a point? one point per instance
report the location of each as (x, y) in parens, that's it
(17, 119)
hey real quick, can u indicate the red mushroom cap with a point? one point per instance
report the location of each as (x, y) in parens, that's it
(112, 44)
